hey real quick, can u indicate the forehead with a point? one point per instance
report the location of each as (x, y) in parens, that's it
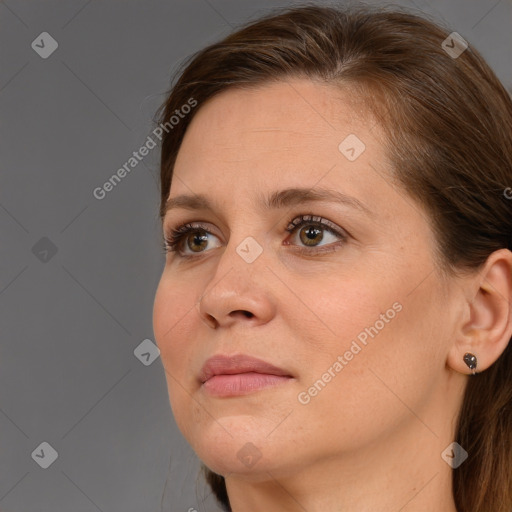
(277, 131)
(299, 107)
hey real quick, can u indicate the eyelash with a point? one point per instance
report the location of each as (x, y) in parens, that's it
(173, 240)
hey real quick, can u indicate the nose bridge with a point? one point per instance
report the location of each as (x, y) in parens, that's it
(238, 282)
(246, 240)
(242, 259)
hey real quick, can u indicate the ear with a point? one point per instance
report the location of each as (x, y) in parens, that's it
(487, 332)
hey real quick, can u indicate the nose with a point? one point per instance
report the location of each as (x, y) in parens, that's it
(239, 291)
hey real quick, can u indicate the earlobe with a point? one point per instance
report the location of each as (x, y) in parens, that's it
(483, 338)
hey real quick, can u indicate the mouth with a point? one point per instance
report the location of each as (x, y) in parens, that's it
(242, 383)
(224, 376)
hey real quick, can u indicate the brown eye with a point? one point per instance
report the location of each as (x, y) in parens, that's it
(193, 238)
(187, 239)
(312, 230)
(310, 236)
(199, 237)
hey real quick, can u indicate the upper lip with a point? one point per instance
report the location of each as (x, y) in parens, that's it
(240, 363)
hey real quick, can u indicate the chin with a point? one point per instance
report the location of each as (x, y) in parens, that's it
(259, 472)
(245, 451)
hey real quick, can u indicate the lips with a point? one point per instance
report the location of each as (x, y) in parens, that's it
(240, 363)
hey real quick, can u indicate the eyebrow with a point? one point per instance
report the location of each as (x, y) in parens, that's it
(278, 199)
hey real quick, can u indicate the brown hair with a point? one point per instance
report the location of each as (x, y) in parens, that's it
(448, 126)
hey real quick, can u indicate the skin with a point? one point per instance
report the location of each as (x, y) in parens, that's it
(372, 438)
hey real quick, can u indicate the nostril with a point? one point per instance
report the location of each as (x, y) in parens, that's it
(247, 314)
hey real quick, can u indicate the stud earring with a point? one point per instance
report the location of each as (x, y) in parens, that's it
(470, 360)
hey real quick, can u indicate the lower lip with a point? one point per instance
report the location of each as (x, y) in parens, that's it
(241, 383)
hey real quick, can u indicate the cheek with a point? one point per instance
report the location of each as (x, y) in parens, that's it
(342, 310)
(174, 313)
(391, 346)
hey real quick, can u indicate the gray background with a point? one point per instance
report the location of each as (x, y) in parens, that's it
(70, 321)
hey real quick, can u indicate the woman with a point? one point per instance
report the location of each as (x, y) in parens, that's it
(334, 315)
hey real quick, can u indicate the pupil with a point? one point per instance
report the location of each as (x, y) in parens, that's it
(197, 237)
(311, 234)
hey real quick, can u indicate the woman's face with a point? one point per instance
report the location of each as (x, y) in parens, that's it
(352, 310)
